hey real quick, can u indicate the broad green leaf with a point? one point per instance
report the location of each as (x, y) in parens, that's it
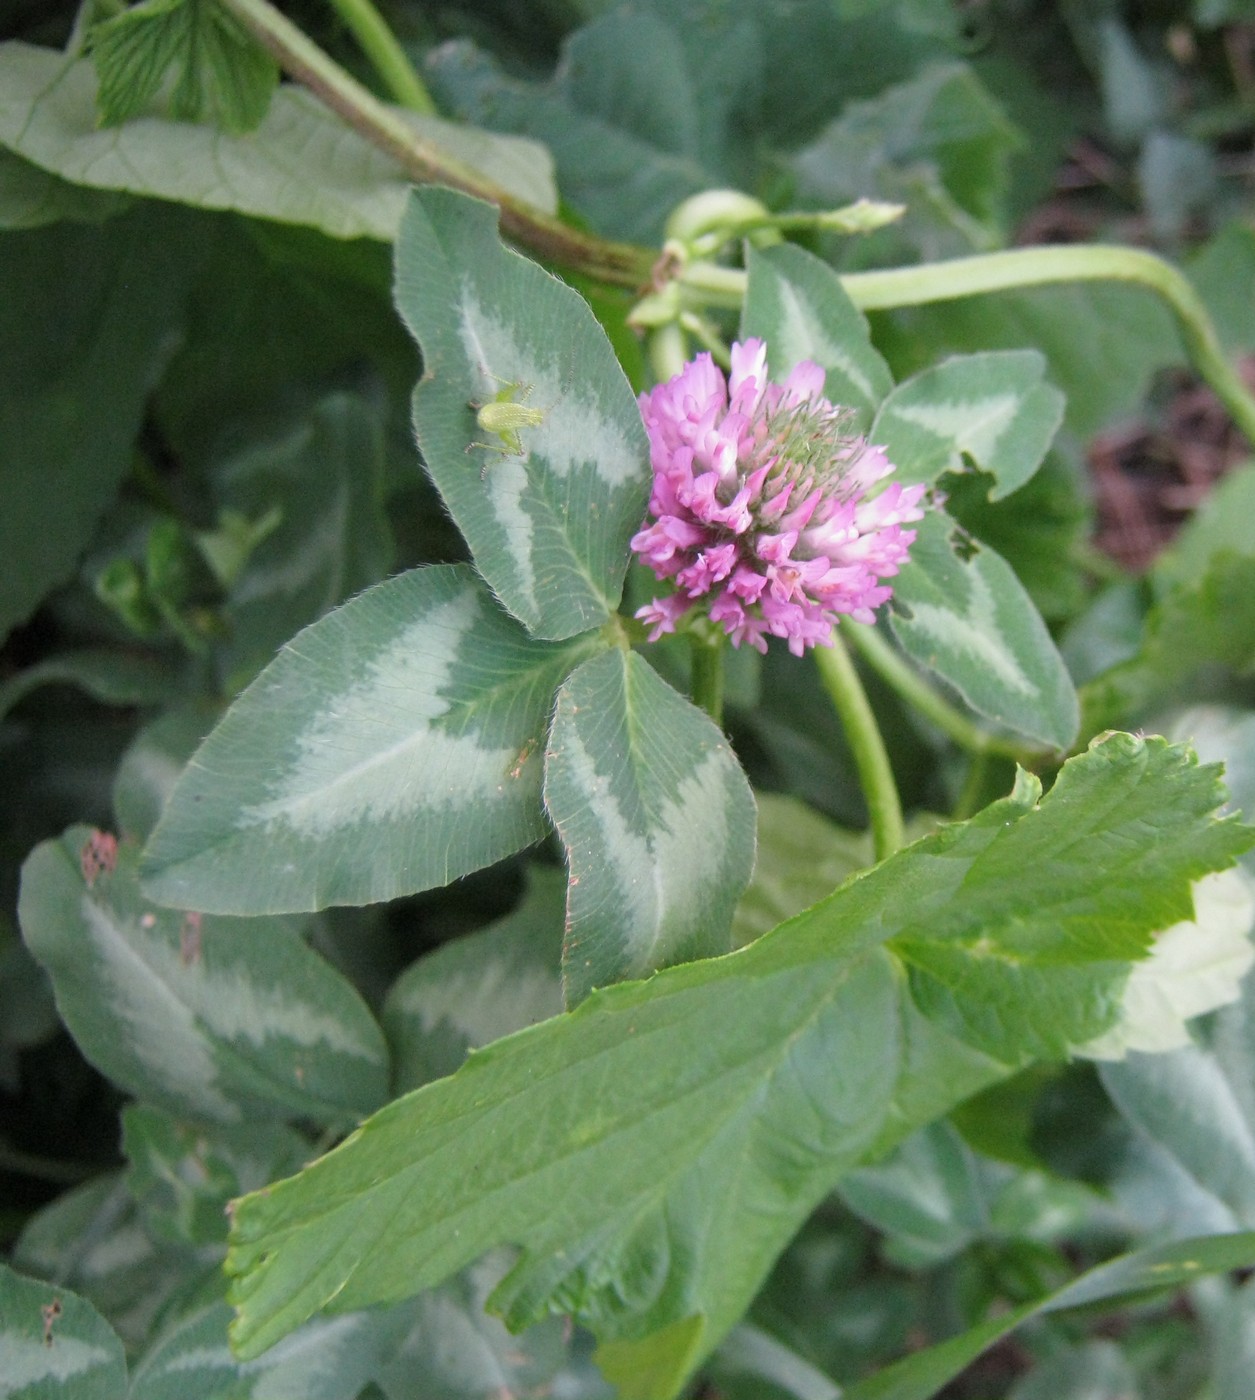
(749, 1357)
(328, 1359)
(657, 820)
(54, 1344)
(938, 143)
(32, 198)
(1131, 1276)
(959, 610)
(1222, 734)
(547, 511)
(325, 479)
(115, 677)
(1092, 1371)
(992, 410)
(89, 318)
(392, 746)
(91, 1239)
(1196, 1103)
(302, 165)
(476, 989)
(802, 857)
(152, 764)
(222, 74)
(797, 305)
(183, 1172)
(217, 1017)
(688, 1124)
(1216, 526)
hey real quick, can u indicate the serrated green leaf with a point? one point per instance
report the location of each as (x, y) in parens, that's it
(182, 1172)
(959, 610)
(32, 198)
(390, 747)
(54, 1343)
(301, 166)
(477, 989)
(922, 1375)
(89, 318)
(993, 409)
(222, 74)
(547, 512)
(797, 305)
(220, 1018)
(687, 1124)
(657, 820)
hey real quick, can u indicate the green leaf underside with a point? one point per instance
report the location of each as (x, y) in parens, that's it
(302, 165)
(797, 305)
(549, 528)
(53, 1344)
(657, 819)
(1152, 1270)
(221, 74)
(390, 747)
(970, 621)
(991, 408)
(208, 1016)
(652, 1151)
(32, 198)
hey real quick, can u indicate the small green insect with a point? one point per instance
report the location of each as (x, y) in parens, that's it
(505, 416)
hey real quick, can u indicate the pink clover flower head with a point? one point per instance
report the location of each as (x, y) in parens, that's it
(761, 509)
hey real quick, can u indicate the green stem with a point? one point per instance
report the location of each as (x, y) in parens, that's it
(1035, 267)
(880, 792)
(380, 45)
(707, 658)
(897, 672)
(386, 128)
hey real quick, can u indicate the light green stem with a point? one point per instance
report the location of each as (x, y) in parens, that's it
(862, 733)
(622, 264)
(707, 656)
(897, 672)
(380, 45)
(1034, 267)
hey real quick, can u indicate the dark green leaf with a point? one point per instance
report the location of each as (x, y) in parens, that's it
(390, 747)
(217, 1017)
(687, 1124)
(797, 305)
(657, 820)
(324, 479)
(88, 319)
(959, 610)
(54, 1344)
(1147, 1271)
(114, 677)
(477, 989)
(32, 198)
(548, 507)
(182, 1173)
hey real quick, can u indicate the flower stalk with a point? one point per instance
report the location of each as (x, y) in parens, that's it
(388, 58)
(880, 791)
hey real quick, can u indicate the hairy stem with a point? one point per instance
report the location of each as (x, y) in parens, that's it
(707, 659)
(389, 59)
(622, 264)
(880, 792)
